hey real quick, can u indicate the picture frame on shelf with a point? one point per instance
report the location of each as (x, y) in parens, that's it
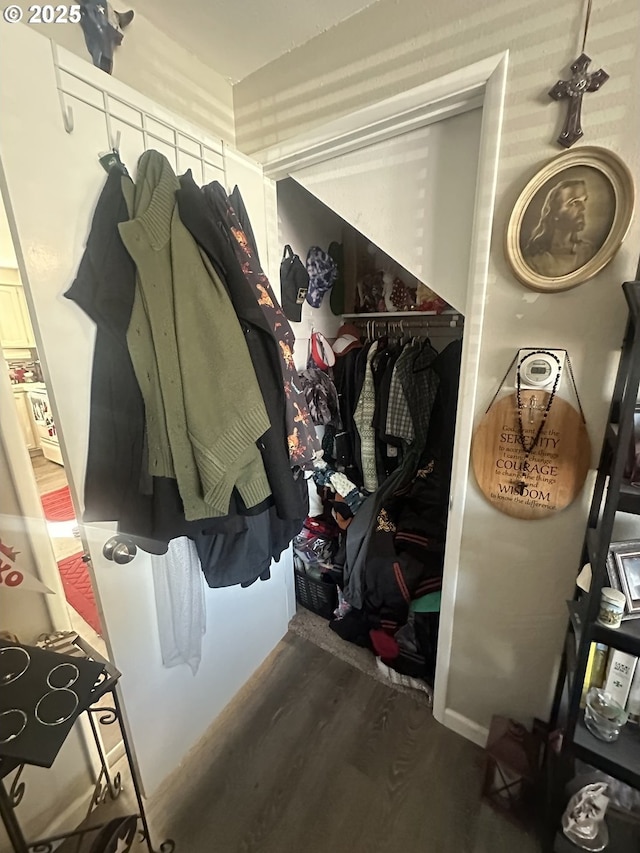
(623, 568)
(570, 219)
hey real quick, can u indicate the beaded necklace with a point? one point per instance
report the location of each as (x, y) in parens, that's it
(545, 413)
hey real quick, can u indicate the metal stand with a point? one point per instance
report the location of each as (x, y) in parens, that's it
(107, 787)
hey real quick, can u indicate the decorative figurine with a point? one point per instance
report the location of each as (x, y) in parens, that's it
(102, 27)
(583, 821)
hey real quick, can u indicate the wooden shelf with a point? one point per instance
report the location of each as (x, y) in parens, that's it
(620, 758)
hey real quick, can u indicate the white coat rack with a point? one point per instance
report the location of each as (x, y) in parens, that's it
(71, 85)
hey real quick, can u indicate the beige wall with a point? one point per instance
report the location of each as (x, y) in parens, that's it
(514, 575)
(162, 69)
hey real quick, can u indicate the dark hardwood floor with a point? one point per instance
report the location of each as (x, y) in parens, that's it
(315, 757)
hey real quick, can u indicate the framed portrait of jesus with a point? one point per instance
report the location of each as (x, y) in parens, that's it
(570, 219)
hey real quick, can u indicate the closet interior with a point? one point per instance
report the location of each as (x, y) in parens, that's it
(379, 356)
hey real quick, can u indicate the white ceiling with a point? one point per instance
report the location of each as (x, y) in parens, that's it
(238, 37)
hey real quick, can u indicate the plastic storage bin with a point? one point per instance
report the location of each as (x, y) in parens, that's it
(311, 591)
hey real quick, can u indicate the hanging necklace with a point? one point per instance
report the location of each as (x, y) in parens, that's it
(528, 446)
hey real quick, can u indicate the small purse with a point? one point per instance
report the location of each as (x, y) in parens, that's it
(294, 284)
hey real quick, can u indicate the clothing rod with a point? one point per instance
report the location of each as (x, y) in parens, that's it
(432, 321)
(400, 315)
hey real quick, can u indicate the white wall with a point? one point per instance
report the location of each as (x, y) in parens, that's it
(514, 575)
(7, 252)
(157, 65)
(413, 196)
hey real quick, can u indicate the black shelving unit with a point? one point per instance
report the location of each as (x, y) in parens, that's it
(612, 494)
(103, 835)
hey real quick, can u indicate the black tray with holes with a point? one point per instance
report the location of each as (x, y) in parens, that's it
(41, 695)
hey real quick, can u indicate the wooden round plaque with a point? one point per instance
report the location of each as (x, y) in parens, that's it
(546, 480)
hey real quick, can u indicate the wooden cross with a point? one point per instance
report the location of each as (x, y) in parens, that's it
(573, 89)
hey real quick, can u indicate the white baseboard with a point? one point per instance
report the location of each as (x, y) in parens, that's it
(116, 754)
(464, 726)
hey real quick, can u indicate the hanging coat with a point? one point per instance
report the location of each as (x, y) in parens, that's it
(190, 358)
(229, 559)
(117, 485)
(405, 554)
(302, 439)
(261, 343)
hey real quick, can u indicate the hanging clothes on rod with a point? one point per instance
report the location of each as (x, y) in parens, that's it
(387, 390)
(392, 552)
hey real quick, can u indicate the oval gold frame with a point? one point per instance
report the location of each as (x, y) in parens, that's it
(620, 178)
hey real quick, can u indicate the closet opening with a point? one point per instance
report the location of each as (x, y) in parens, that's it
(368, 564)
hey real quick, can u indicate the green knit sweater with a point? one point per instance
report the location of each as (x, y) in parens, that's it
(204, 410)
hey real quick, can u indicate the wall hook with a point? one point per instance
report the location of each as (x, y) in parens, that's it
(67, 112)
(67, 117)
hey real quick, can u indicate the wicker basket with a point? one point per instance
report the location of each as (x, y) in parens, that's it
(311, 591)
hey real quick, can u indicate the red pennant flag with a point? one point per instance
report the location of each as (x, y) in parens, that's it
(8, 552)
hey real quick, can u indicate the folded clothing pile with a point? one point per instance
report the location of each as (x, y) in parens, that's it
(317, 542)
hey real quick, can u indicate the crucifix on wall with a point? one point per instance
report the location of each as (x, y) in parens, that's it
(573, 90)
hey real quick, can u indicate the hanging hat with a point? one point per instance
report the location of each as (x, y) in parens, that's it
(294, 284)
(321, 352)
(322, 274)
(348, 338)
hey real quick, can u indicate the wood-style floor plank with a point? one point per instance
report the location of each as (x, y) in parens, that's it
(315, 757)
(49, 475)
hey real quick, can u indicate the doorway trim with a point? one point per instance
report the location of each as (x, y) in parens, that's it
(482, 84)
